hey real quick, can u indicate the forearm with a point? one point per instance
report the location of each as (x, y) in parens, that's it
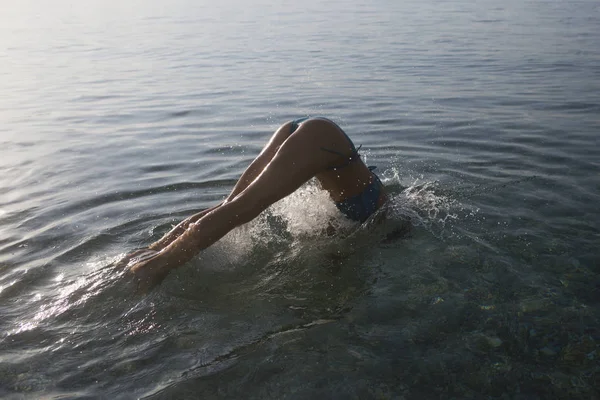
(178, 230)
(182, 249)
(247, 178)
(212, 227)
(249, 175)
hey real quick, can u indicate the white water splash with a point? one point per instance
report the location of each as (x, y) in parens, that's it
(422, 204)
(307, 212)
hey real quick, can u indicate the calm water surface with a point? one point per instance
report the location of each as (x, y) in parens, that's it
(118, 119)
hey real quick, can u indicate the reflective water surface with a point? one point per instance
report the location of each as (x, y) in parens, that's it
(118, 119)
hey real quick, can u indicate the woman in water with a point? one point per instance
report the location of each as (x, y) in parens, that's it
(299, 150)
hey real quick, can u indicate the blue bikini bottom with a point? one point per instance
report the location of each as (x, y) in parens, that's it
(361, 206)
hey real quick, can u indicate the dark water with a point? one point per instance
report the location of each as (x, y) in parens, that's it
(118, 119)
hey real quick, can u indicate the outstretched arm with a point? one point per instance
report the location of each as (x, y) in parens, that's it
(249, 175)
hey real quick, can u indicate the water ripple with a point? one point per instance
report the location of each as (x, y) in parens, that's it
(117, 122)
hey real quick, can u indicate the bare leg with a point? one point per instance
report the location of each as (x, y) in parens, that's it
(297, 160)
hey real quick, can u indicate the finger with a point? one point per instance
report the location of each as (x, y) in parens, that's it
(125, 260)
(141, 257)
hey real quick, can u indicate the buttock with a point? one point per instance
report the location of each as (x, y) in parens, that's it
(347, 159)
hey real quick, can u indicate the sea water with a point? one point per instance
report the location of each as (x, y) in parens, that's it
(119, 119)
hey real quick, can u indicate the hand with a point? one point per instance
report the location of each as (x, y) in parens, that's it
(134, 257)
(148, 271)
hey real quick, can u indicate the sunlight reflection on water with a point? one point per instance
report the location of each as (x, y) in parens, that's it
(118, 120)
